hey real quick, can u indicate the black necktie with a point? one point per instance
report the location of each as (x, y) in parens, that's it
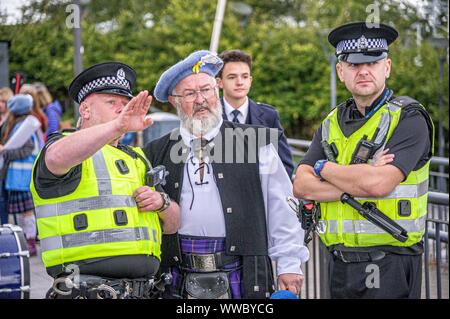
(199, 145)
(235, 114)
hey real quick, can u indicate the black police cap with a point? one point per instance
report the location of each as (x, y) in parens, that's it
(109, 77)
(360, 42)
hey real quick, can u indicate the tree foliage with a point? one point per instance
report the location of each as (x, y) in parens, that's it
(287, 39)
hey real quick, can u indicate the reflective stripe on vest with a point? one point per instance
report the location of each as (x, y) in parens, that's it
(383, 126)
(84, 204)
(101, 171)
(326, 130)
(95, 238)
(392, 107)
(404, 191)
(350, 226)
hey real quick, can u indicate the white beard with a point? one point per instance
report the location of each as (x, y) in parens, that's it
(203, 125)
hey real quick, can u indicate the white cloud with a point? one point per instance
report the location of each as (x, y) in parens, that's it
(12, 9)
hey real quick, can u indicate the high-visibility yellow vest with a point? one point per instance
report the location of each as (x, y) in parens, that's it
(100, 218)
(340, 223)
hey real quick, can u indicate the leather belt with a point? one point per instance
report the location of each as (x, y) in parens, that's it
(356, 257)
(207, 262)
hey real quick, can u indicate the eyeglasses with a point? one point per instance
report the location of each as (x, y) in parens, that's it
(191, 95)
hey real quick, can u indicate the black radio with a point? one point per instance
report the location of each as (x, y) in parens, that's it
(363, 152)
(156, 176)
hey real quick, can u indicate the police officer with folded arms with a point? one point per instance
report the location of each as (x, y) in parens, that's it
(94, 207)
(379, 148)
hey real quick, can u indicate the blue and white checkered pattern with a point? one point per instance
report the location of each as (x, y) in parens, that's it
(361, 45)
(100, 83)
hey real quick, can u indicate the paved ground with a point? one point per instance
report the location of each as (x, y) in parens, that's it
(40, 281)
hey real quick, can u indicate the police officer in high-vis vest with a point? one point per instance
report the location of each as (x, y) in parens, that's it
(375, 147)
(93, 207)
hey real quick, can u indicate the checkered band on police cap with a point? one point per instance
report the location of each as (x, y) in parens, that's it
(103, 82)
(107, 77)
(362, 45)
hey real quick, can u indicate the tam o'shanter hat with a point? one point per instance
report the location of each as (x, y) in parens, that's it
(202, 61)
(360, 42)
(109, 77)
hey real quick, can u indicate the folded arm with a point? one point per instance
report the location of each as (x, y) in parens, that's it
(375, 180)
(310, 187)
(363, 180)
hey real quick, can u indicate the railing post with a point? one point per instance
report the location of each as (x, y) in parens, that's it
(426, 264)
(438, 260)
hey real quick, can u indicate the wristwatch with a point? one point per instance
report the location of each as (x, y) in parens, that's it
(318, 167)
(166, 200)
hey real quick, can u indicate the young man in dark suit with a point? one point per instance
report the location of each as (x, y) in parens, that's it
(235, 80)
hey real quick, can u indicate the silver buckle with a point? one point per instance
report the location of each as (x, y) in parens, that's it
(343, 258)
(339, 254)
(205, 262)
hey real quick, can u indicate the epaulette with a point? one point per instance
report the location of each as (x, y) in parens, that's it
(265, 104)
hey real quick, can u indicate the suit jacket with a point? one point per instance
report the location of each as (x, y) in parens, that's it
(266, 115)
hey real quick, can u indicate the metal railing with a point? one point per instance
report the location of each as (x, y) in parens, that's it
(436, 248)
(436, 255)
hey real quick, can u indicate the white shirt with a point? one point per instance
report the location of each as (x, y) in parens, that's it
(243, 109)
(206, 218)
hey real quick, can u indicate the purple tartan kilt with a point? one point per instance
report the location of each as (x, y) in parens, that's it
(19, 202)
(207, 246)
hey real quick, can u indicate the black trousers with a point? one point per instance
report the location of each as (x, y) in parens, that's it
(393, 277)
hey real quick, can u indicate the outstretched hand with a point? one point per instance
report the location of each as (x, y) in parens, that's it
(134, 115)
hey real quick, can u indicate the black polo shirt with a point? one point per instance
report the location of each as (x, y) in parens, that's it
(48, 185)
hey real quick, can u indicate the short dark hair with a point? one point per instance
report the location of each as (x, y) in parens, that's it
(234, 56)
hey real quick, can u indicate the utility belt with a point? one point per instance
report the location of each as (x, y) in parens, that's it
(94, 287)
(207, 262)
(358, 256)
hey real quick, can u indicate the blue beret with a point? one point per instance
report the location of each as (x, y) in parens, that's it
(109, 77)
(359, 42)
(20, 104)
(198, 62)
